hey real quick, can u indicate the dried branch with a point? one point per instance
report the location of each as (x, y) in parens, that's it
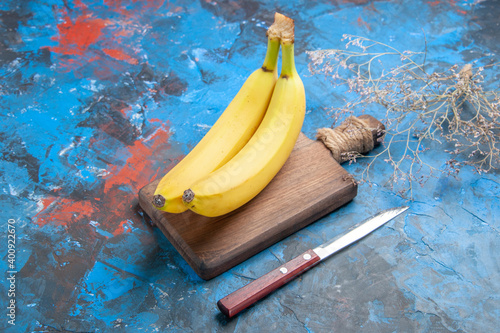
(422, 106)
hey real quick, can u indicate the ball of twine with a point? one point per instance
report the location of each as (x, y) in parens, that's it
(352, 137)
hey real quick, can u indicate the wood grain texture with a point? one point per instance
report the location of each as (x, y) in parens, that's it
(310, 185)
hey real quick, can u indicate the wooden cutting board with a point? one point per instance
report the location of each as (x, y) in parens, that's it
(310, 185)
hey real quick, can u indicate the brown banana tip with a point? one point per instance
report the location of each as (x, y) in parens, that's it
(282, 28)
(159, 201)
(188, 196)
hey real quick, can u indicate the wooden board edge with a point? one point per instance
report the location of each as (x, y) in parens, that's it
(170, 233)
(207, 269)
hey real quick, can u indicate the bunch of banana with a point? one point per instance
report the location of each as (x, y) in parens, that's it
(228, 135)
(236, 179)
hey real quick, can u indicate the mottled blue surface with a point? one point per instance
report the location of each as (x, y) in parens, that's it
(98, 98)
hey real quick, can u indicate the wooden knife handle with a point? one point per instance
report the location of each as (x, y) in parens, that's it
(257, 289)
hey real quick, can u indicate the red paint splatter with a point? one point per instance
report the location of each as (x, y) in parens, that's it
(124, 227)
(76, 37)
(125, 110)
(120, 55)
(115, 206)
(84, 38)
(156, 4)
(132, 173)
(88, 36)
(79, 4)
(48, 201)
(452, 3)
(115, 3)
(64, 212)
(363, 23)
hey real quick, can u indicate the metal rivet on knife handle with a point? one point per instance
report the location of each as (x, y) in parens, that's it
(257, 289)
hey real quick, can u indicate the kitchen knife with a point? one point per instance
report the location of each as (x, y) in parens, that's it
(257, 289)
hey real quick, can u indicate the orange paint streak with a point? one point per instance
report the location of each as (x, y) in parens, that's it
(81, 5)
(125, 32)
(46, 202)
(124, 227)
(132, 174)
(125, 110)
(155, 4)
(362, 23)
(64, 212)
(113, 3)
(115, 206)
(82, 36)
(452, 3)
(120, 55)
(76, 37)
(120, 191)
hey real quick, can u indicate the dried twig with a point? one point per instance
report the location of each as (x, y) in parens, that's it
(421, 106)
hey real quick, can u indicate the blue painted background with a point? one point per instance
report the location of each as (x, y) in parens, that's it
(98, 98)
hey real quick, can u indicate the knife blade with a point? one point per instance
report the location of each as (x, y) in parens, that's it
(242, 298)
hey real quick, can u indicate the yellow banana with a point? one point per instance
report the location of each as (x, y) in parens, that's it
(256, 164)
(228, 135)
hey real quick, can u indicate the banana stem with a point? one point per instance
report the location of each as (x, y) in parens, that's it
(271, 60)
(284, 29)
(288, 59)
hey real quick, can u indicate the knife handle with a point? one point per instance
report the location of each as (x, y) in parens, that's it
(259, 288)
